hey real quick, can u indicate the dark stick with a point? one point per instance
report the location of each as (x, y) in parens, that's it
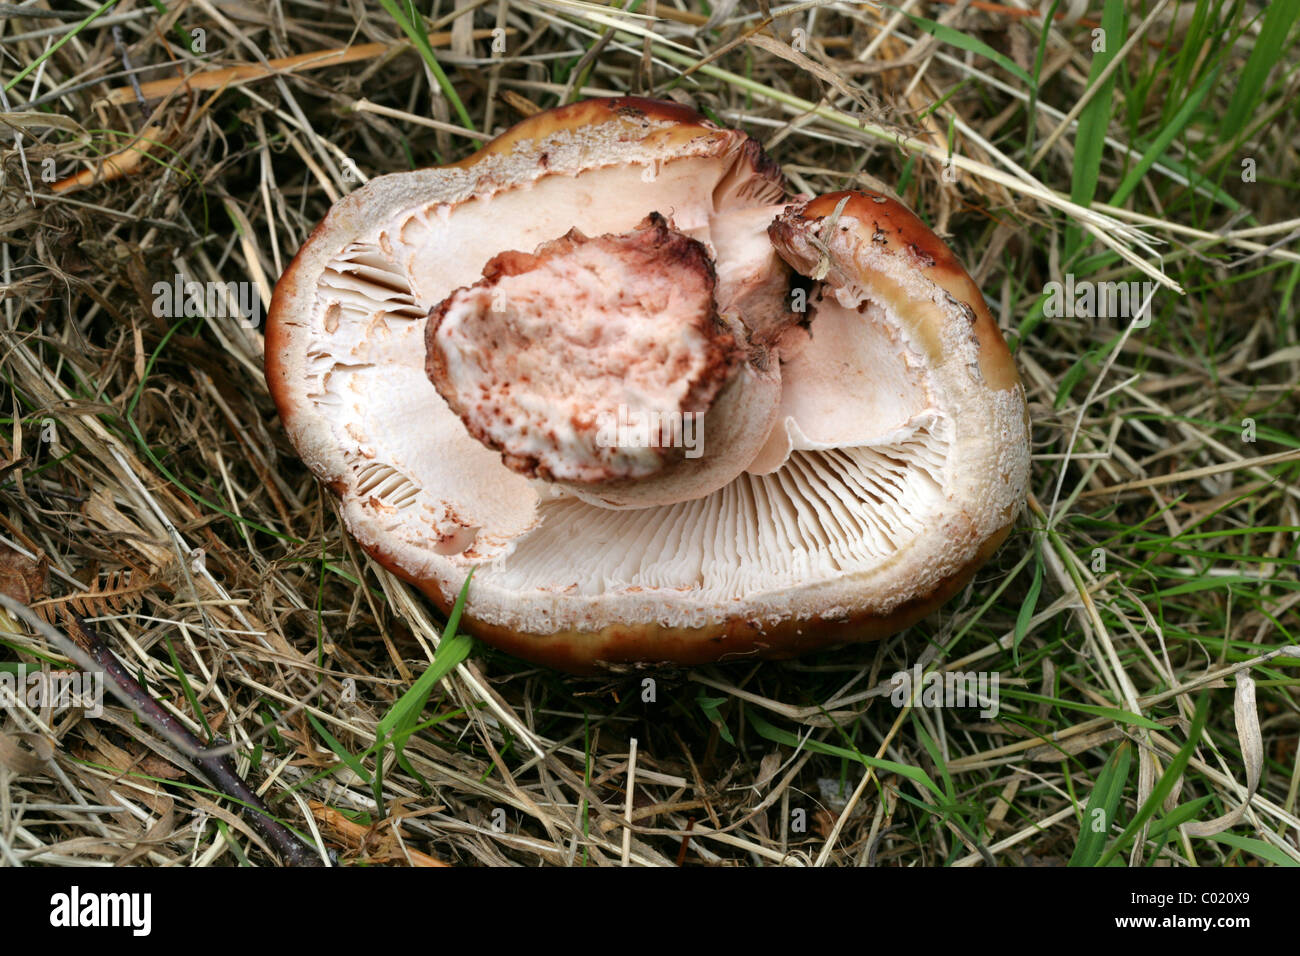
(218, 769)
(126, 65)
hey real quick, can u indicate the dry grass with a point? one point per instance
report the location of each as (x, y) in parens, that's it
(142, 456)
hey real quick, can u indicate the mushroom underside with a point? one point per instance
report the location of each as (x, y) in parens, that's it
(850, 507)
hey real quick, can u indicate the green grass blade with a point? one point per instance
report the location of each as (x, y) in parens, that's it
(58, 44)
(1094, 120)
(1027, 610)
(188, 689)
(1265, 851)
(710, 707)
(349, 761)
(1279, 18)
(1031, 111)
(1117, 714)
(453, 649)
(1166, 783)
(1167, 136)
(1177, 817)
(961, 41)
(420, 38)
(779, 736)
(1102, 804)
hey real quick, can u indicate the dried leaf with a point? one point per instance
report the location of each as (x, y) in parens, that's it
(119, 591)
(1252, 753)
(24, 579)
(25, 753)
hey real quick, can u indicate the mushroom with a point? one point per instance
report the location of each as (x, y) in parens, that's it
(448, 347)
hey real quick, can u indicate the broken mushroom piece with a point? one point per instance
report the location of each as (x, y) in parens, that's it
(600, 365)
(446, 346)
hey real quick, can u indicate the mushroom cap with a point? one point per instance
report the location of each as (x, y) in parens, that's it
(892, 467)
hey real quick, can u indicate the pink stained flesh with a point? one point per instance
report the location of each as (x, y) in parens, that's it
(550, 349)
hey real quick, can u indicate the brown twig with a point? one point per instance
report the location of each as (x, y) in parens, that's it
(115, 165)
(216, 768)
(380, 847)
(248, 72)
